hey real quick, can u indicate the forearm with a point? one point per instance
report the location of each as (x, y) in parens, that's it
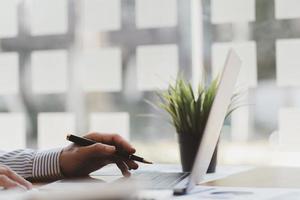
(33, 165)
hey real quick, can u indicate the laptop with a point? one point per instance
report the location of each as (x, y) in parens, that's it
(182, 183)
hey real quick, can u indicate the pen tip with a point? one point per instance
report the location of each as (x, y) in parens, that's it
(147, 162)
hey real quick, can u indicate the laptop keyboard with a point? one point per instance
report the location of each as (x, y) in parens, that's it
(159, 180)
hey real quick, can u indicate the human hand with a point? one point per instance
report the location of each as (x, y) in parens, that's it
(10, 179)
(80, 161)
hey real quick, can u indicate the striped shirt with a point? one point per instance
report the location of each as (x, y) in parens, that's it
(33, 165)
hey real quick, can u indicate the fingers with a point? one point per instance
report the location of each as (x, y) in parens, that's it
(123, 167)
(131, 164)
(118, 141)
(100, 150)
(97, 150)
(12, 177)
(8, 183)
(112, 139)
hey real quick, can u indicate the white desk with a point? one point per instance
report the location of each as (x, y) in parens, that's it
(262, 182)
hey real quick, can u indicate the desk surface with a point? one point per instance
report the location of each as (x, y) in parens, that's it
(264, 177)
(239, 176)
(274, 177)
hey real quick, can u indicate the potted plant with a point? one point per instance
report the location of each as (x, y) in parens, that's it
(189, 112)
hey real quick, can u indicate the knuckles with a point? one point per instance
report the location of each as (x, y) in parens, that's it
(3, 178)
(95, 135)
(102, 149)
(99, 148)
(117, 137)
(5, 170)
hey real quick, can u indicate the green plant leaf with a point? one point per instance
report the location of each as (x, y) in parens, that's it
(189, 110)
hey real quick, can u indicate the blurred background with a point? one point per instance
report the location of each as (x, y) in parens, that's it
(91, 65)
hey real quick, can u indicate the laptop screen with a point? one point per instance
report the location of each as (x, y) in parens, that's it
(216, 118)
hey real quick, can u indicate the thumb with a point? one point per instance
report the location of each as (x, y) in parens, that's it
(98, 149)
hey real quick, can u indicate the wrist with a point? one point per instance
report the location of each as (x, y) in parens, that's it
(62, 163)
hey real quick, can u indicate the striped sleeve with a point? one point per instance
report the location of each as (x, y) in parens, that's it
(46, 165)
(33, 165)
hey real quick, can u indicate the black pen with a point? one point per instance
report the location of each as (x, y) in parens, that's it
(87, 142)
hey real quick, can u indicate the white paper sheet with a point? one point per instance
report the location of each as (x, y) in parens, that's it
(288, 62)
(110, 123)
(156, 13)
(247, 52)
(49, 71)
(8, 10)
(53, 128)
(9, 73)
(157, 65)
(101, 15)
(48, 16)
(287, 9)
(101, 70)
(12, 131)
(228, 11)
